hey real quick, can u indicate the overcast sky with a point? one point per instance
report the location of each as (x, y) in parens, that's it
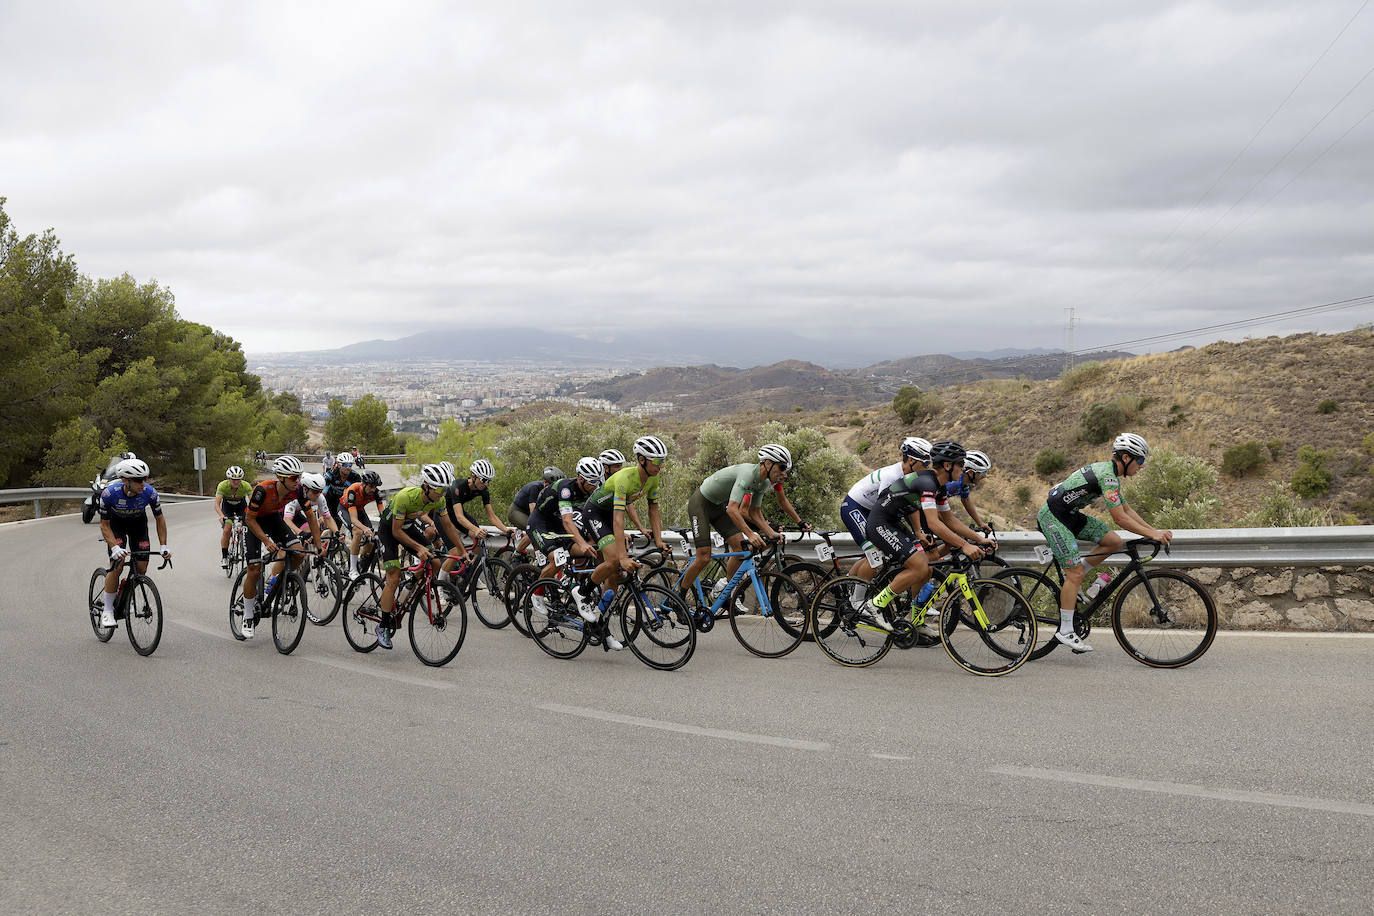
(308, 175)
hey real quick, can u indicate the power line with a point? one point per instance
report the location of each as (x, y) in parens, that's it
(1244, 322)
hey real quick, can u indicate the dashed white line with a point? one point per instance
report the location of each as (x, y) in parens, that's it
(795, 744)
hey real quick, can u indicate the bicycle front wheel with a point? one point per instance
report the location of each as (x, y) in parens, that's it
(437, 626)
(487, 601)
(143, 614)
(521, 577)
(236, 606)
(770, 624)
(327, 584)
(1170, 629)
(552, 620)
(1042, 593)
(809, 576)
(841, 630)
(95, 605)
(658, 627)
(288, 616)
(362, 612)
(992, 634)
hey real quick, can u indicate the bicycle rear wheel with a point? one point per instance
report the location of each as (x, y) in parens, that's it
(236, 606)
(95, 604)
(841, 631)
(487, 601)
(143, 614)
(1042, 593)
(326, 588)
(808, 576)
(289, 613)
(1170, 632)
(658, 627)
(552, 620)
(362, 612)
(998, 648)
(437, 631)
(513, 593)
(772, 624)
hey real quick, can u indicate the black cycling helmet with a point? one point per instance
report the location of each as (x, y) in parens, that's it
(947, 450)
(372, 479)
(552, 474)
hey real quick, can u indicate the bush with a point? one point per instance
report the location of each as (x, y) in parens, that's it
(1327, 406)
(1174, 490)
(1275, 447)
(1240, 459)
(911, 404)
(1101, 422)
(1023, 495)
(857, 421)
(819, 478)
(863, 447)
(1279, 509)
(1311, 479)
(1368, 444)
(1076, 377)
(1049, 461)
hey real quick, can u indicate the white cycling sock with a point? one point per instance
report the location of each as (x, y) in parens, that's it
(1065, 621)
(250, 605)
(109, 598)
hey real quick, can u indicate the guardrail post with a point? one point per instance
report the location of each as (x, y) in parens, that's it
(37, 508)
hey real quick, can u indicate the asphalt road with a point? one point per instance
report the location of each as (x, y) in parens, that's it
(223, 777)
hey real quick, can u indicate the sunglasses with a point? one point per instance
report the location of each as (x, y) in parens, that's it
(291, 477)
(136, 479)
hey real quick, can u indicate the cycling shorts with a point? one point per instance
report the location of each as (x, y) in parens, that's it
(391, 547)
(274, 526)
(1063, 535)
(598, 525)
(855, 518)
(363, 518)
(234, 511)
(130, 533)
(518, 518)
(705, 515)
(895, 541)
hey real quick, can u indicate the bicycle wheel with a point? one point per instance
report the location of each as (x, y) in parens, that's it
(95, 605)
(326, 587)
(512, 595)
(658, 627)
(362, 612)
(841, 631)
(487, 601)
(1170, 632)
(999, 647)
(236, 555)
(289, 614)
(771, 624)
(1042, 593)
(552, 620)
(808, 576)
(437, 626)
(236, 605)
(143, 614)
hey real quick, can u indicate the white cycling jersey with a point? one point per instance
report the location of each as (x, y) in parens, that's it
(321, 508)
(866, 491)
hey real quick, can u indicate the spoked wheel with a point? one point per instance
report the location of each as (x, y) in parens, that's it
(236, 606)
(658, 627)
(326, 588)
(808, 577)
(143, 615)
(95, 604)
(288, 617)
(361, 606)
(437, 626)
(487, 595)
(1170, 632)
(1042, 593)
(845, 634)
(513, 593)
(991, 635)
(552, 620)
(771, 628)
(662, 577)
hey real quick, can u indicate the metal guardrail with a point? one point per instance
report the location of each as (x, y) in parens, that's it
(38, 494)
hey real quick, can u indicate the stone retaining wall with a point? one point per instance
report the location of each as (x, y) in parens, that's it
(1338, 598)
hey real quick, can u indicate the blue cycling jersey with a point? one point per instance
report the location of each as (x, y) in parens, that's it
(117, 503)
(957, 488)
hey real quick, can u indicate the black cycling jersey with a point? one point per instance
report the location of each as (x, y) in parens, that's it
(528, 494)
(554, 497)
(338, 479)
(461, 493)
(912, 493)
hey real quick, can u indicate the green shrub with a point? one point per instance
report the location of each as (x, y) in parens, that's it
(1083, 374)
(1279, 509)
(1177, 419)
(1023, 495)
(796, 408)
(857, 421)
(1101, 422)
(1174, 490)
(1048, 461)
(1327, 406)
(912, 404)
(1275, 447)
(1240, 459)
(1368, 444)
(863, 447)
(1364, 506)
(1310, 481)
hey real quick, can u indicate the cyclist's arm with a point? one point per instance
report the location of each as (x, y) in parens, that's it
(463, 521)
(107, 532)
(161, 521)
(972, 511)
(219, 508)
(1126, 517)
(399, 533)
(633, 513)
(570, 526)
(496, 522)
(656, 524)
(735, 510)
(788, 508)
(250, 518)
(935, 520)
(452, 532)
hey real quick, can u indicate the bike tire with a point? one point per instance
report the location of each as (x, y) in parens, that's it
(236, 606)
(488, 604)
(1002, 647)
(1042, 593)
(558, 629)
(658, 627)
(840, 632)
(808, 576)
(290, 609)
(770, 625)
(361, 607)
(143, 614)
(95, 605)
(520, 578)
(327, 583)
(437, 632)
(87, 513)
(1177, 631)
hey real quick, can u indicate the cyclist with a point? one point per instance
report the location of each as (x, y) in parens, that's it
(1063, 523)
(480, 476)
(328, 462)
(124, 507)
(403, 526)
(604, 516)
(553, 523)
(354, 503)
(914, 503)
(858, 503)
(267, 530)
(523, 504)
(339, 478)
(976, 468)
(728, 501)
(612, 460)
(231, 499)
(358, 458)
(313, 486)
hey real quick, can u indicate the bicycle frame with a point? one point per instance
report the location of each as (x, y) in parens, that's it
(1133, 568)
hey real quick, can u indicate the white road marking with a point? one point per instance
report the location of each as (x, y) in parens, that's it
(1181, 788)
(329, 662)
(724, 734)
(877, 756)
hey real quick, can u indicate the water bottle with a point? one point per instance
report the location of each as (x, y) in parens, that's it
(714, 588)
(924, 594)
(270, 581)
(1098, 583)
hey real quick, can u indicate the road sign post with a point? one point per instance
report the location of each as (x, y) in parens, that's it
(198, 459)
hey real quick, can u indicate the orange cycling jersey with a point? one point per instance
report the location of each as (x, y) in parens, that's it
(355, 498)
(271, 496)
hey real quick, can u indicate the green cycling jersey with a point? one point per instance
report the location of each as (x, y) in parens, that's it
(410, 504)
(234, 492)
(621, 488)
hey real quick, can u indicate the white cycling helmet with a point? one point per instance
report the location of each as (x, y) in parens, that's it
(916, 447)
(285, 466)
(590, 470)
(977, 461)
(778, 454)
(1131, 444)
(132, 467)
(345, 459)
(482, 469)
(448, 466)
(234, 473)
(651, 447)
(612, 456)
(437, 476)
(313, 482)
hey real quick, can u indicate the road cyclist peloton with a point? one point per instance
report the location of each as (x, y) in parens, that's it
(604, 513)
(354, 506)
(231, 499)
(338, 479)
(124, 507)
(977, 466)
(858, 503)
(268, 531)
(918, 502)
(731, 502)
(403, 526)
(475, 486)
(1062, 521)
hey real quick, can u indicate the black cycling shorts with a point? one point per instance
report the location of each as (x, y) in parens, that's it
(391, 547)
(895, 541)
(131, 533)
(274, 526)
